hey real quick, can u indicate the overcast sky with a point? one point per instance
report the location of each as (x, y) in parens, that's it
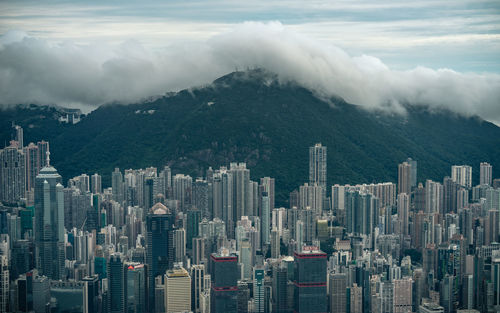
(410, 46)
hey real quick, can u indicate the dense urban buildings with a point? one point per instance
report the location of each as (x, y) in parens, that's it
(155, 241)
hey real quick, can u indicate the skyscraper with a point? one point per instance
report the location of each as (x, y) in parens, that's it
(116, 285)
(258, 290)
(117, 185)
(310, 280)
(337, 286)
(159, 251)
(224, 291)
(96, 183)
(49, 217)
(135, 287)
(12, 173)
(404, 178)
(317, 165)
(32, 165)
(485, 174)
(4, 284)
(462, 175)
(177, 291)
(91, 294)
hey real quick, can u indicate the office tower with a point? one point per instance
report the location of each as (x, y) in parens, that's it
(96, 183)
(192, 229)
(32, 165)
(135, 287)
(241, 192)
(258, 290)
(403, 295)
(12, 174)
(404, 213)
(310, 280)
(91, 294)
(179, 244)
(177, 291)
(201, 196)
(355, 296)
(4, 284)
(49, 221)
(275, 243)
(224, 291)
(116, 284)
(182, 187)
(25, 292)
(268, 186)
(117, 185)
(280, 290)
(243, 297)
(462, 175)
(246, 258)
(337, 291)
(41, 294)
(485, 174)
(265, 219)
(311, 196)
(159, 244)
(433, 196)
(200, 281)
(317, 165)
(404, 178)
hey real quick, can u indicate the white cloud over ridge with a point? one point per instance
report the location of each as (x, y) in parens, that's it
(37, 71)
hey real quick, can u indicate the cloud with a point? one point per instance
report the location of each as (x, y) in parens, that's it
(88, 75)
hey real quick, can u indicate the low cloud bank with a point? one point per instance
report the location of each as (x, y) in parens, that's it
(88, 75)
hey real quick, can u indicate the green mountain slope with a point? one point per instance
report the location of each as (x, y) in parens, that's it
(249, 117)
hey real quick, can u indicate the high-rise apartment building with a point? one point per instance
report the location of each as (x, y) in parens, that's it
(96, 183)
(485, 174)
(404, 178)
(462, 175)
(12, 173)
(317, 165)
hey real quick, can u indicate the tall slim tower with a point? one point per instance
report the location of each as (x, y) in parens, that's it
(49, 217)
(404, 178)
(95, 182)
(12, 173)
(116, 299)
(159, 251)
(317, 165)
(485, 173)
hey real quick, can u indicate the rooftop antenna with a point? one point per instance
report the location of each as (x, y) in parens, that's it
(48, 158)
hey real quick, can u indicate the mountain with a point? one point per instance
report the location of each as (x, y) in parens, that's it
(251, 117)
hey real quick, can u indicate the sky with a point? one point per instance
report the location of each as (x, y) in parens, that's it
(377, 54)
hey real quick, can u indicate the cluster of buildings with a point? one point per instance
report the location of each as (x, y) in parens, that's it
(158, 242)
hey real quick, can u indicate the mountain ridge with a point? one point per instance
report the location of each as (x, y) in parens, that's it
(269, 124)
